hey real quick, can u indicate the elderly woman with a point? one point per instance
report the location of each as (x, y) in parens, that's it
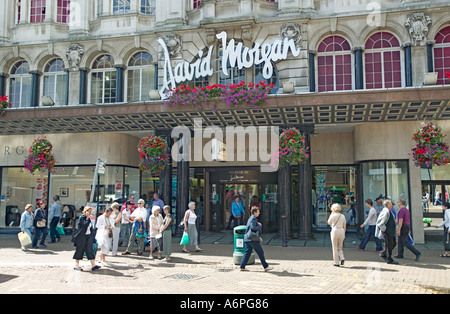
(191, 228)
(83, 239)
(166, 231)
(117, 217)
(156, 222)
(338, 226)
(105, 227)
(26, 221)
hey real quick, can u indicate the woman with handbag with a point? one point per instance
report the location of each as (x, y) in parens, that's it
(446, 225)
(105, 227)
(338, 224)
(40, 225)
(83, 240)
(190, 227)
(253, 240)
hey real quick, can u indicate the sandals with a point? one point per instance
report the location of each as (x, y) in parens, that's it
(445, 255)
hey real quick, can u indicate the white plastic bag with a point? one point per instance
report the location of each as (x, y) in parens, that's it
(100, 238)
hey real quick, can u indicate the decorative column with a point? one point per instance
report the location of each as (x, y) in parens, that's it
(3, 77)
(182, 178)
(430, 56)
(408, 65)
(312, 71)
(83, 86)
(359, 72)
(165, 177)
(119, 82)
(35, 88)
(305, 190)
(284, 201)
(49, 9)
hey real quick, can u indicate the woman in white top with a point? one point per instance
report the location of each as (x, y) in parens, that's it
(105, 227)
(446, 225)
(191, 228)
(156, 222)
(338, 228)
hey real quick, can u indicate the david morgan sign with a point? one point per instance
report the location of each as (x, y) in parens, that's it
(234, 55)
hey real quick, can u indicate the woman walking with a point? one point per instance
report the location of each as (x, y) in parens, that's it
(166, 231)
(40, 226)
(156, 222)
(446, 225)
(26, 222)
(191, 228)
(105, 227)
(83, 240)
(253, 241)
(338, 224)
(117, 217)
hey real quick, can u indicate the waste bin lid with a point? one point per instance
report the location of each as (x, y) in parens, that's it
(240, 229)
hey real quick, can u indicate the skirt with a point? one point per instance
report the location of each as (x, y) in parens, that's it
(193, 235)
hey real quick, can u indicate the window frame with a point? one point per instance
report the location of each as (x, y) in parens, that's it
(153, 64)
(442, 80)
(59, 75)
(21, 78)
(103, 72)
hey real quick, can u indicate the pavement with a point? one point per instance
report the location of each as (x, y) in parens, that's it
(303, 267)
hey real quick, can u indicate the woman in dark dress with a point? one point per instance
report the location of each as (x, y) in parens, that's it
(83, 240)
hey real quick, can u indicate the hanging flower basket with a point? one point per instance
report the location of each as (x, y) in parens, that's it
(153, 156)
(292, 149)
(40, 156)
(4, 104)
(234, 95)
(430, 150)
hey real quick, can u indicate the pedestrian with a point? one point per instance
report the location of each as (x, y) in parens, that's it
(252, 240)
(83, 240)
(403, 230)
(157, 201)
(131, 200)
(40, 225)
(385, 229)
(156, 222)
(166, 231)
(338, 228)
(26, 222)
(190, 227)
(138, 230)
(446, 224)
(54, 215)
(117, 217)
(371, 222)
(238, 211)
(126, 225)
(105, 227)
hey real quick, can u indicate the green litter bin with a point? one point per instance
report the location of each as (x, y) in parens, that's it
(239, 246)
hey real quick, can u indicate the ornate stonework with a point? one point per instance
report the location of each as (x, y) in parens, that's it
(74, 54)
(173, 42)
(417, 25)
(292, 31)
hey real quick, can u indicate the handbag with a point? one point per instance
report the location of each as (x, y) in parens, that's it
(24, 239)
(41, 224)
(252, 235)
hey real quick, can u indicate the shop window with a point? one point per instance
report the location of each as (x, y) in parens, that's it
(63, 11)
(37, 11)
(55, 81)
(20, 85)
(141, 77)
(382, 61)
(442, 55)
(103, 80)
(148, 7)
(234, 76)
(334, 64)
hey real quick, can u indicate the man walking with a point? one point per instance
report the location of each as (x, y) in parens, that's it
(385, 228)
(404, 227)
(54, 215)
(371, 222)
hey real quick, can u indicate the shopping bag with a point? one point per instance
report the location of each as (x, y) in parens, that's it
(185, 239)
(100, 237)
(24, 239)
(60, 229)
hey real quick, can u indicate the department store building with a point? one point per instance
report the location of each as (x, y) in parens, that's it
(356, 77)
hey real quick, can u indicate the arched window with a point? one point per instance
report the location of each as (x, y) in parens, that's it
(141, 77)
(334, 64)
(103, 80)
(55, 81)
(20, 85)
(442, 55)
(382, 64)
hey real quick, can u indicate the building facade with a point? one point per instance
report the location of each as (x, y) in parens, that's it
(356, 81)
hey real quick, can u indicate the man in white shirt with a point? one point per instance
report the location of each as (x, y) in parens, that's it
(138, 218)
(371, 222)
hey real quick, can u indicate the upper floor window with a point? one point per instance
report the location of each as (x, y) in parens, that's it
(383, 67)
(37, 11)
(141, 77)
(442, 55)
(121, 6)
(148, 7)
(103, 80)
(63, 11)
(235, 75)
(334, 64)
(20, 85)
(196, 3)
(55, 81)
